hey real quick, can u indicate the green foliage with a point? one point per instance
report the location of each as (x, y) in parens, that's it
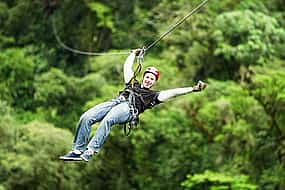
(247, 37)
(110, 68)
(268, 87)
(217, 181)
(4, 40)
(230, 119)
(104, 14)
(254, 5)
(4, 108)
(60, 95)
(6, 131)
(23, 22)
(272, 176)
(29, 155)
(17, 72)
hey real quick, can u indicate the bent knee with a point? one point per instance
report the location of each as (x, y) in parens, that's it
(86, 119)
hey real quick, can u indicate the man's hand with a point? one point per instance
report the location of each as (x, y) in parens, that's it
(199, 86)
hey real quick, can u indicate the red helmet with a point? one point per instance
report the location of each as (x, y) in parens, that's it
(152, 70)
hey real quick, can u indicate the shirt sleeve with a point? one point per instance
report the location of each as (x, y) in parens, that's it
(128, 72)
(166, 94)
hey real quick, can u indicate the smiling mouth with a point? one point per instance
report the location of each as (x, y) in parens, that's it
(147, 83)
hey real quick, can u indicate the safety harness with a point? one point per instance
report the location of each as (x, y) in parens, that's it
(132, 96)
(133, 110)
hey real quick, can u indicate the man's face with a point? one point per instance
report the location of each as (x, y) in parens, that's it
(149, 80)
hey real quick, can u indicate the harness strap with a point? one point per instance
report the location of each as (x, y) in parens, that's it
(134, 111)
(132, 95)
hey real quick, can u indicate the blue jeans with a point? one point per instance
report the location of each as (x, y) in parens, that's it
(116, 111)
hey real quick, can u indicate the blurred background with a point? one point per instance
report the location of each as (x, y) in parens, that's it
(230, 136)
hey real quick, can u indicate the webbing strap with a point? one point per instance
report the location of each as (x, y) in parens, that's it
(127, 129)
(134, 112)
(132, 95)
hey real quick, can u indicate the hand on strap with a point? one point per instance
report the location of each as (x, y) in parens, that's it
(199, 86)
(136, 51)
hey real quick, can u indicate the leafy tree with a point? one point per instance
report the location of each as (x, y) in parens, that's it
(31, 160)
(61, 97)
(217, 181)
(247, 37)
(6, 131)
(5, 40)
(17, 72)
(29, 155)
(235, 40)
(267, 86)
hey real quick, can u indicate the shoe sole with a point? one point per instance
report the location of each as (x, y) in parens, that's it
(70, 159)
(82, 158)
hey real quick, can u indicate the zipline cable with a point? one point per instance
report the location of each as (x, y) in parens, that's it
(76, 51)
(144, 49)
(175, 25)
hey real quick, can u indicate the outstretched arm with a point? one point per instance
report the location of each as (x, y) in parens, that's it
(166, 94)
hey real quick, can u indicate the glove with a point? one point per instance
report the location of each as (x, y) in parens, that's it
(199, 86)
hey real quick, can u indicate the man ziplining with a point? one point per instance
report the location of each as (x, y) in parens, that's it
(131, 102)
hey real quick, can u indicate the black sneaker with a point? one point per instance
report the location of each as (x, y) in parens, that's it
(71, 156)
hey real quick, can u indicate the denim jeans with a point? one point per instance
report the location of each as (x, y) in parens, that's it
(116, 111)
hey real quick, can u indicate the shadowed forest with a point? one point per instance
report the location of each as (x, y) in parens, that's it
(231, 136)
